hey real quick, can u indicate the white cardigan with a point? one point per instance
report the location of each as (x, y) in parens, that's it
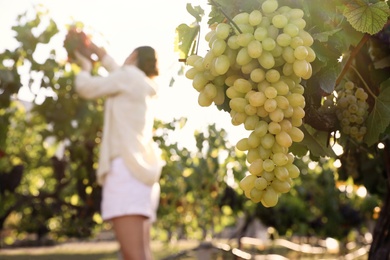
(128, 119)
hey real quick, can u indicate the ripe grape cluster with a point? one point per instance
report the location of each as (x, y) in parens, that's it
(257, 63)
(352, 110)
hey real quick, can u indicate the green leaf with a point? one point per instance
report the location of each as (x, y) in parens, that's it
(366, 17)
(185, 39)
(316, 142)
(379, 118)
(196, 12)
(324, 36)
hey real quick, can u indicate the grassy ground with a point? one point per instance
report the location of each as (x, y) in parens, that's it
(107, 250)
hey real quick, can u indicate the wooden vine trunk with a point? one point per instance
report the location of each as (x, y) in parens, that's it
(380, 247)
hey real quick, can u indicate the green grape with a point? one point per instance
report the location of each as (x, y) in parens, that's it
(222, 64)
(243, 57)
(204, 100)
(241, 18)
(256, 167)
(257, 99)
(269, 176)
(250, 110)
(252, 155)
(270, 92)
(288, 54)
(298, 112)
(296, 134)
(280, 159)
(295, 13)
(257, 75)
(283, 139)
(269, 6)
(283, 39)
(208, 60)
(268, 44)
(255, 49)
(238, 118)
(242, 85)
(268, 165)
(261, 183)
(281, 186)
(282, 87)
(282, 173)
(218, 47)
(282, 102)
(270, 197)
(238, 104)
(273, 32)
(279, 149)
(255, 18)
(248, 182)
(267, 141)
(277, 115)
(279, 21)
(260, 33)
(266, 60)
(233, 42)
(242, 144)
(251, 120)
(219, 99)
(231, 93)
(210, 90)
(191, 59)
(222, 30)
(199, 81)
(190, 73)
(296, 42)
(291, 29)
(301, 67)
(244, 39)
(301, 53)
(272, 76)
(262, 129)
(270, 105)
(274, 128)
(254, 140)
(293, 170)
(300, 23)
(256, 195)
(285, 125)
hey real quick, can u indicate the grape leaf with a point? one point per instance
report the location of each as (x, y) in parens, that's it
(379, 118)
(196, 12)
(185, 39)
(324, 36)
(366, 17)
(316, 142)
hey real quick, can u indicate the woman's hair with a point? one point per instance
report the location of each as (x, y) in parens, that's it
(147, 60)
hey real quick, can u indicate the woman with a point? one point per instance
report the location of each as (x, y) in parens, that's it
(129, 162)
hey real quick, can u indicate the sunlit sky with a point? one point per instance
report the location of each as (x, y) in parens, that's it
(120, 26)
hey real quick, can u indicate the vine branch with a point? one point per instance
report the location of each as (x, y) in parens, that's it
(354, 52)
(227, 17)
(363, 81)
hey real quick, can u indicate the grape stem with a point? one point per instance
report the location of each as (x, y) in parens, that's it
(354, 52)
(227, 17)
(363, 81)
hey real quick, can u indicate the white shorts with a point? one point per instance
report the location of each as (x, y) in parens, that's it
(123, 194)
